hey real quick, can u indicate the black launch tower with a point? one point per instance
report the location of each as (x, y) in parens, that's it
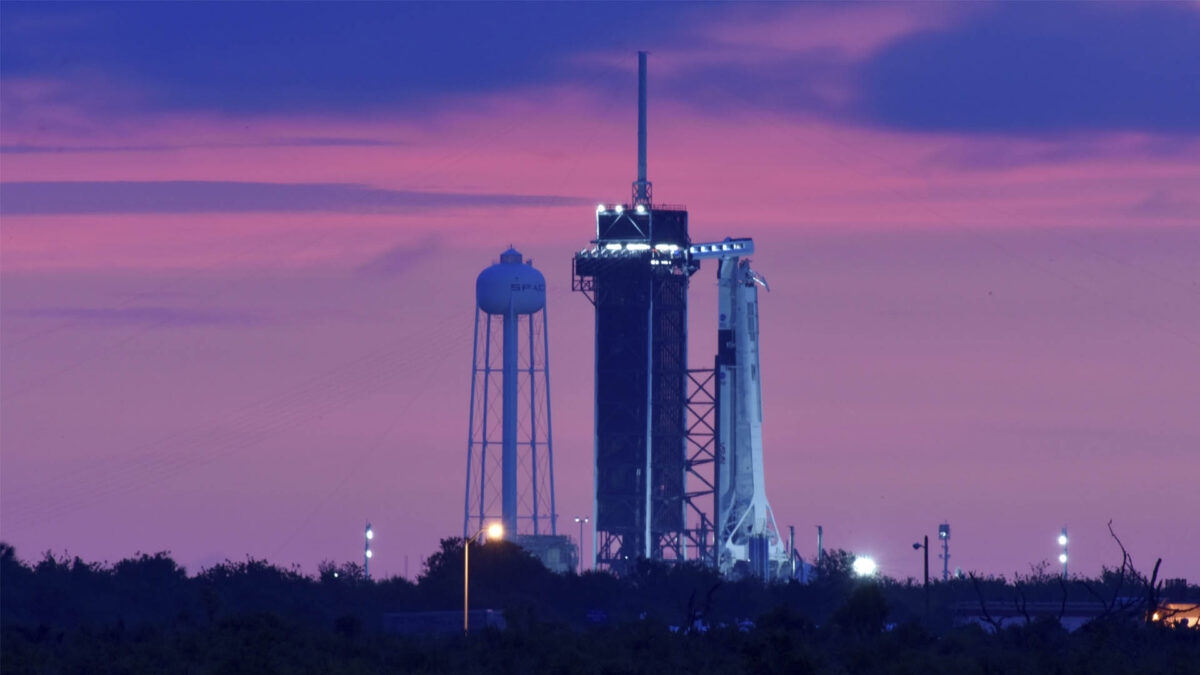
(636, 275)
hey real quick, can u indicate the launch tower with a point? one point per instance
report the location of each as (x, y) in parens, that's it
(636, 276)
(658, 424)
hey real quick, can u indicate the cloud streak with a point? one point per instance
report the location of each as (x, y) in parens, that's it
(140, 316)
(330, 142)
(400, 259)
(87, 197)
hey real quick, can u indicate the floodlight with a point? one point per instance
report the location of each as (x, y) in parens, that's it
(1062, 558)
(1062, 540)
(495, 531)
(370, 534)
(864, 566)
(370, 553)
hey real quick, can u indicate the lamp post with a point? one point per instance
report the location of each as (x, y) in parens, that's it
(367, 553)
(495, 531)
(581, 520)
(1062, 557)
(925, 546)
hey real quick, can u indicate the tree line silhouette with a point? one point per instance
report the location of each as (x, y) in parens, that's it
(146, 614)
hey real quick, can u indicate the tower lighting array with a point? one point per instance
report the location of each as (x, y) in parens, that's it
(1062, 556)
(367, 552)
(944, 537)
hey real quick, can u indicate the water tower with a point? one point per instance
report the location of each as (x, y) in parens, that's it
(510, 461)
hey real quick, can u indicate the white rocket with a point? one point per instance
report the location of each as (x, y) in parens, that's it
(747, 536)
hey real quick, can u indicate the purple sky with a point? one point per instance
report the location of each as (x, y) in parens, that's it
(239, 245)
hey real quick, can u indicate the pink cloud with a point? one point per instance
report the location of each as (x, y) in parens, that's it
(756, 171)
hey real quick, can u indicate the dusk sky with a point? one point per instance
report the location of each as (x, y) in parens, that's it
(240, 241)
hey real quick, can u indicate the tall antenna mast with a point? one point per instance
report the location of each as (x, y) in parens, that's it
(641, 187)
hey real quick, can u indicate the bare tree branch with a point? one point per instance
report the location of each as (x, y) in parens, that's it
(983, 605)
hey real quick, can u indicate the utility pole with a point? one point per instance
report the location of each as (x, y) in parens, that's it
(926, 547)
(581, 520)
(820, 545)
(792, 548)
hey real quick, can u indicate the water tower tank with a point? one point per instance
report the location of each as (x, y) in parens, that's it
(510, 296)
(510, 286)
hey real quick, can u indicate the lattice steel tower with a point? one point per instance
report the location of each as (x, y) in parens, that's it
(510, 460)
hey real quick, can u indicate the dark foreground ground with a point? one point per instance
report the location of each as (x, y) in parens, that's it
(266, 643)
(147, 615)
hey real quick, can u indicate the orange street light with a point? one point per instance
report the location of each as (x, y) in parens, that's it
(495, 531)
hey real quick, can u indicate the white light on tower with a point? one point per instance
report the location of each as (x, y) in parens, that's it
(864, 566)
(1062, 557)
(368, 535)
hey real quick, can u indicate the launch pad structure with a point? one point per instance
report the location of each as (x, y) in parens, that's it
(678, 452)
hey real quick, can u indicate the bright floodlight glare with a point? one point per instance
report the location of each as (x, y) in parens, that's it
(1062, 558)
(864, 566)
(370, 534)
(1062, 540)
(370, 553)
(600, 208)
(495, 531)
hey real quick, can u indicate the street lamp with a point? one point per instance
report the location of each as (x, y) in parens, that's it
(367, 554)
(494, 531)
(917, 547)
(1062, 557)
(581, 520)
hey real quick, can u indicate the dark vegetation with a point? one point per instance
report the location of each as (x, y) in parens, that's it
(146, 614)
